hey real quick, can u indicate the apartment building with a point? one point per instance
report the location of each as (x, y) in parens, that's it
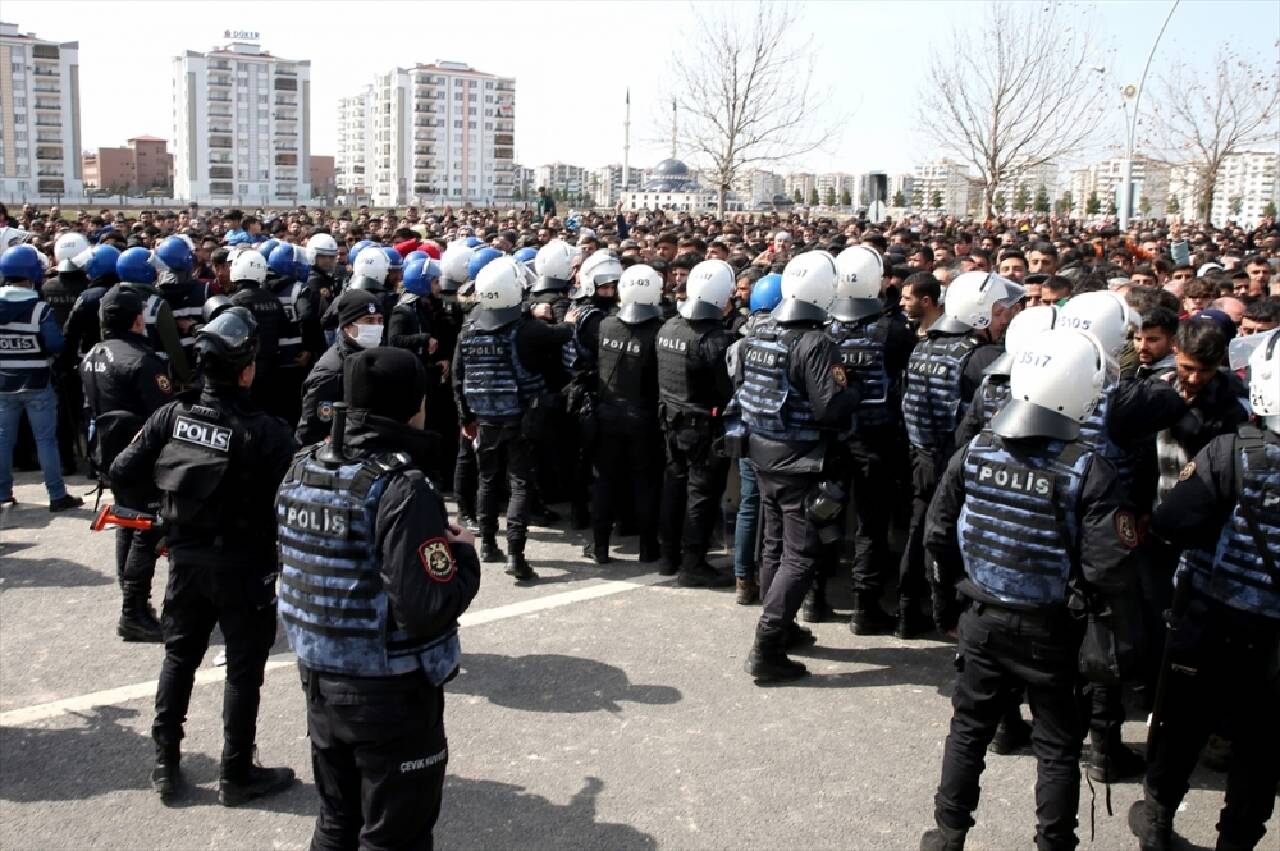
(39, 117)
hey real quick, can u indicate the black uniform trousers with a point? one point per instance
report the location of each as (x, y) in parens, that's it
(502, 449)
(870, 459)
(692, 486)
(136, 549)
(789, 549)
(466, 477)
(926, 468)
(71, 432)
(1225, 668)
(628, 465)
(378, 753)
(285, 397)
(202, 593)
(1001, 649)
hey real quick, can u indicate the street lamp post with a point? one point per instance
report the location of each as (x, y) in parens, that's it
(1132, 93)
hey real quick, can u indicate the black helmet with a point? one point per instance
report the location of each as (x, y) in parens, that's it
(214, 306)
(227, 344)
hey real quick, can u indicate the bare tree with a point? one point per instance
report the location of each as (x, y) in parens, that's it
(1016, 89)
(1228, 110)
(744, 87)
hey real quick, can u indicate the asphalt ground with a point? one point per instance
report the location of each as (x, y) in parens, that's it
(600, 708)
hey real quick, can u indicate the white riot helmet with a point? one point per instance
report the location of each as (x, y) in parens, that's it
(321, 245)
(453, 266)
(553, 265)
(68, 247)
(859, 273)
(1264, 380)
(248, 266)
(1054, 385)
(601, 269)
(498, 289)
(1024, 328)
(808, 288)
(970, 299)
(1104, 314)
(371, 265)
(707, 290)
(639, 293)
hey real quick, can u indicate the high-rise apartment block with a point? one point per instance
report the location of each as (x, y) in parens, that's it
(241, 125)
(39, 116)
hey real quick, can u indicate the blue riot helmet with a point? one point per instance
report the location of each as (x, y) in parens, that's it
(267, 247)
(419, 275)
(102, 261)
(767, 292)
(480, 259)
(175, 254)
(135, 266)
(281, 260)
(356, 249)
(22, 263)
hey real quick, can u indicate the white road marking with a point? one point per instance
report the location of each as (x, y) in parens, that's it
(134, 691)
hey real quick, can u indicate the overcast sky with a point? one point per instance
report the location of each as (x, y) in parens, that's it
(574, 60)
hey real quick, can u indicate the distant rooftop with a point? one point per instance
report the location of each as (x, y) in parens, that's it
(146, 139)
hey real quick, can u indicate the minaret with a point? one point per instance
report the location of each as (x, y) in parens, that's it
(626, 145)
(673, 128)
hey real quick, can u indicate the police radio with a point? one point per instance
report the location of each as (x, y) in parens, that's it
(332, 454)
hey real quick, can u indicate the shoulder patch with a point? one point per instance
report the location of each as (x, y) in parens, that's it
(1187, 471)
(162, 381)
(838, 375)
(324, 412)
(1127, 529)
(437, 559)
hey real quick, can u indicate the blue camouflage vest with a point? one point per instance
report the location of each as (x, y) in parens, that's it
(495, 383)
(1234, 573)
(574, 356)
(1018, 529)
(862, 353)
(992, 394)
(1095, 434)
(772, 406)
(931, 400)
(333, 603)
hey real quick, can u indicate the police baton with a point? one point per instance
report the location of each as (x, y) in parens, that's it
(1177, 609)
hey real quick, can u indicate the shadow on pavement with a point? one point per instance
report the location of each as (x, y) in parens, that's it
(554, 683)
(484, 814)
(917, 664)
(103, 755)
(46, 573)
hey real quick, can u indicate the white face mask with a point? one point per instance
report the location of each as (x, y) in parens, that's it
(368, 336)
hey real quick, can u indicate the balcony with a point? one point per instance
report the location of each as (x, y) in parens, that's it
(220, 189)
(286, 101)
(48, 153)
(44, 72)
(49, 171)
(52, 186)
(280, 116)
(284, 72)
(505, 140)
(46, 89)
(48, 106)
(424, 151)
(285, 85)
(220, 142)
(219, 99)
(220, 81)
(286, 159)
(221, 171)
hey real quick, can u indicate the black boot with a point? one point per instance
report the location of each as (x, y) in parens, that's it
(696, 573)
(516, 564)
(1111, 760)
(911, 621)
(1012, 735)
(597, 549)
(1152, 824)
(649, 549)
(799, 638)
(257, 782)
(490, 552)
(166, 775)
(137, 620)
(768, 661)
(943, 839)
(868, 618)
(815, 608)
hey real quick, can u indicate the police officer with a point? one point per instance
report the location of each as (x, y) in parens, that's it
(498, 380)
(217, 460)
(409, 327)
(693, 389)
(301, 341)
(359, 327)
(136, 269)
(553, 265)
(628, 446)
(874, 345)
(248, 278)
(1022, 515)
(322, 251)
(83, 329)
(186, 295)
(453, 315)
(29, 340)
(1223, 649)
(124, 383)
(60, 292)
(942, 375)
(795, 398)
(371, 272)
(373, 667)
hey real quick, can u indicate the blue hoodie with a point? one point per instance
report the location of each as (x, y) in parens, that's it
(20, 308)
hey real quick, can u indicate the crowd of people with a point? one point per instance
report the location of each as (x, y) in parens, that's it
(1054, 443)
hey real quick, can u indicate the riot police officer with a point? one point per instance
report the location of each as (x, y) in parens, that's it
(136, 268)
(498, 380)
(942, 375)
(373, 668)
(628, 446)
(300, 343)
(322, 252)
(553, 265)
(1023, 516)
(217, 460)
(60, 292)
(795, 397)
(248, 277)
(453, 315)
(409, 326)
(359, 327)
(874, 345)
(83, 329)
(693, 389)
(186, 295)
(124, 383)
(1223, 649)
